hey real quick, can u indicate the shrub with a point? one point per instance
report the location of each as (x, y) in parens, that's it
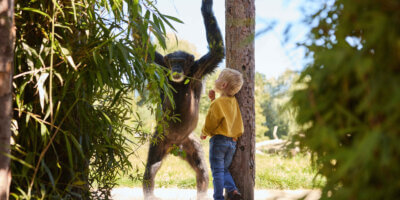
(349, 106)
(77, 63)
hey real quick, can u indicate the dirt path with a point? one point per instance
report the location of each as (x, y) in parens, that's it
(190, 194)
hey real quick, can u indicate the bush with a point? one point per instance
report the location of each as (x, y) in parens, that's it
(77, 64)
(349, 106)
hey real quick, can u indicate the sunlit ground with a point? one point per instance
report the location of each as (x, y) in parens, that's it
(272, 172)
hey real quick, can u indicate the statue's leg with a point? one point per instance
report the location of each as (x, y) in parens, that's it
(195, 157)
(156, 154)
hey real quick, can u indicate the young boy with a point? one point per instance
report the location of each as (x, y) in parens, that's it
(224, 125)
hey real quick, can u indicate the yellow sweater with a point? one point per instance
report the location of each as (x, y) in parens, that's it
(224, 118)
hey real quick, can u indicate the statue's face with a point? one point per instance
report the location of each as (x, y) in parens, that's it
(179, 63)
(177, 66)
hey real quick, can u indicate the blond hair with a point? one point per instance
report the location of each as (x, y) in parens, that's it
(234, 80)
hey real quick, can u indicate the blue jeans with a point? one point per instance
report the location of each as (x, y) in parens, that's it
(222, 149)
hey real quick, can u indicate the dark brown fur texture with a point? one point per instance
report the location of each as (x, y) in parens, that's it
(186, 97)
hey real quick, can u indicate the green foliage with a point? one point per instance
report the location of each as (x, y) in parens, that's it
(349, 104)
(77, 64)
(276, 109)
(261, 99)
(177, 151)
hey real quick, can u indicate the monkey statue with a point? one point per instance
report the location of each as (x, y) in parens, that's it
(186, 98)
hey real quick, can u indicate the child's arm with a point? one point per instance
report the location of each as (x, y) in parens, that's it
(211, 95)
(213, 119)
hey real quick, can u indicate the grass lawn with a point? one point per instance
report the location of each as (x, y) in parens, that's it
(272, 172)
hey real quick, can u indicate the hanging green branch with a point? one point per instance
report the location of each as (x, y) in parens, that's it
(77, 64)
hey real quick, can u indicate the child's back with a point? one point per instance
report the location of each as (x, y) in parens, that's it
(224, 125)
(225, 118)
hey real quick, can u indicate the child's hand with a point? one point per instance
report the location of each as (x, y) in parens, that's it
(211, 95)
(203, 137)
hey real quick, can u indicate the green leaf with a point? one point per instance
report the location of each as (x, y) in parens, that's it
(187, 81)
(116, 98)
(66, 53)
(106, 117)
(99, 79)
(173, 18)
(41, 89)
(36, 11)
(19, 160)
(58, 7)
(69, 153)
(77, 145)
(48, 171)
(74, 9)
(65, 27)
(43, 130)
(79, 183)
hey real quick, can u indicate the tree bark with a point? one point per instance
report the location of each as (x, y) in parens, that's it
(240, 29)
(6, 65)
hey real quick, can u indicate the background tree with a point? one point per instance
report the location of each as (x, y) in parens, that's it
(7, 35)
(348, 103)
(173, 43)
(277, 110)
(262, 97)
(76, 64)
(239, 31)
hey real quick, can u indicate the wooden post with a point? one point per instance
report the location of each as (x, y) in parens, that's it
(240, 29)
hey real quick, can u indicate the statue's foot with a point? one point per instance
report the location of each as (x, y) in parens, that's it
(203, 196)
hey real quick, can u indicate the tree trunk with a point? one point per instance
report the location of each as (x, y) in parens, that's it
(6, 66)
(240, 29)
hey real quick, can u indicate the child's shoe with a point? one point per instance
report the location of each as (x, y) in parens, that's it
(234, 195)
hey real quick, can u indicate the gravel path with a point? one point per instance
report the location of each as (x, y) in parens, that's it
(190, 194)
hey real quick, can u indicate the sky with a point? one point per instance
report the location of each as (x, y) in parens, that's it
(274, 53)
